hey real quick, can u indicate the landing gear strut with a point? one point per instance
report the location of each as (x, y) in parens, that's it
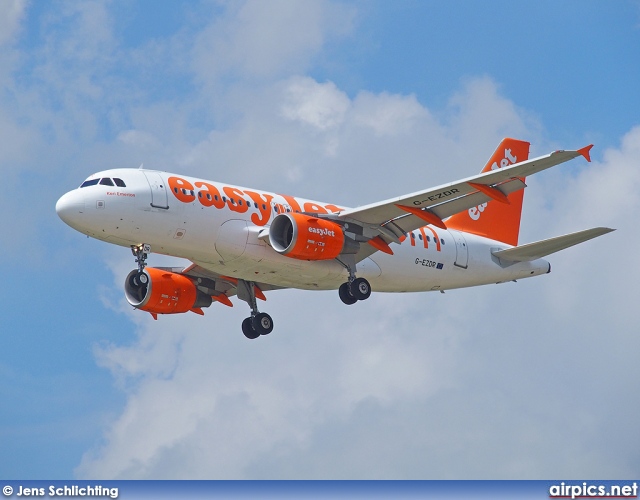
(258, 323)
(140, 252)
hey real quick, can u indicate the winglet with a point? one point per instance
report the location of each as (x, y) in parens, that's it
(585, 152)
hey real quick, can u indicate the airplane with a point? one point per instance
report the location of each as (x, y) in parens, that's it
(246, 242)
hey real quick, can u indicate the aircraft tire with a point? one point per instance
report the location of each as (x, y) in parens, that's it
(360, 289)
(247, 329)
(133, 281)
(345, 294)
(139, 279)
(263, 324)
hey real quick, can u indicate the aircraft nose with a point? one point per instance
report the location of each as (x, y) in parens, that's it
(70, 207)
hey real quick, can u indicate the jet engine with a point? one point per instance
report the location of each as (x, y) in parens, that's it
(163, 292)
(304, 237)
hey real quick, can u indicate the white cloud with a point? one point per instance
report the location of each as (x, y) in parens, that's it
(11, 13)
(320, 105)
(480, 103)
(388, 114)
(255, 39)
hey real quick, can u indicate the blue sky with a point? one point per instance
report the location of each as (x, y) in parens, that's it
(355, 100)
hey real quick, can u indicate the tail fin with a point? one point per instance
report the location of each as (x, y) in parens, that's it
(493, 219)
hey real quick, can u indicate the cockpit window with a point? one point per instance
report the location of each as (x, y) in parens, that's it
(105, 181)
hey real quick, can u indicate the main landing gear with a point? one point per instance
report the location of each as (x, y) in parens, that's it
(356, 288)
(258, 323)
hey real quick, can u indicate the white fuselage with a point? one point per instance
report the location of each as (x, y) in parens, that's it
(217, 226)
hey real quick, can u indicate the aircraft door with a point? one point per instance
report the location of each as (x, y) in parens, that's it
(462, 250)
(159, 197)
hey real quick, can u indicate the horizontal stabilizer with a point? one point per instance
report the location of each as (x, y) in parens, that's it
(539, 249)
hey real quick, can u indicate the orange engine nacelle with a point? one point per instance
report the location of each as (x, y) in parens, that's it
(163, 292)
(307, 238)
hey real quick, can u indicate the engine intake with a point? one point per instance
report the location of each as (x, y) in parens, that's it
(308, 238)
(163, 292)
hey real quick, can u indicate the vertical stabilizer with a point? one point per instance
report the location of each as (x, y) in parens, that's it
(496, 220)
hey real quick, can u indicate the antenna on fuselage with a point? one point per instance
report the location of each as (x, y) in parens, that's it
(141, 166)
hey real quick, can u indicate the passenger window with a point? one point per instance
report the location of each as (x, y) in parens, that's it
(119, 183)
(91, 182)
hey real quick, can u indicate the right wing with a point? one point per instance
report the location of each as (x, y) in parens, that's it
(393, 218)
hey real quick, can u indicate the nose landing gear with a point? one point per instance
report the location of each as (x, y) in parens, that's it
(140, 252)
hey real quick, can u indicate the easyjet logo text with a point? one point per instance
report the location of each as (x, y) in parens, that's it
(322, 232)
(509, 159)
(263, 205)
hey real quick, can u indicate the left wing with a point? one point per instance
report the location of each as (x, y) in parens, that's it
(219, 287)
(392, 219)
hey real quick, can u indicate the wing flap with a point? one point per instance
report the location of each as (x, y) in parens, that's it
(539, 249)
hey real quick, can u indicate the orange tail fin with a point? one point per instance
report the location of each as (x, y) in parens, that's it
(495, 220)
